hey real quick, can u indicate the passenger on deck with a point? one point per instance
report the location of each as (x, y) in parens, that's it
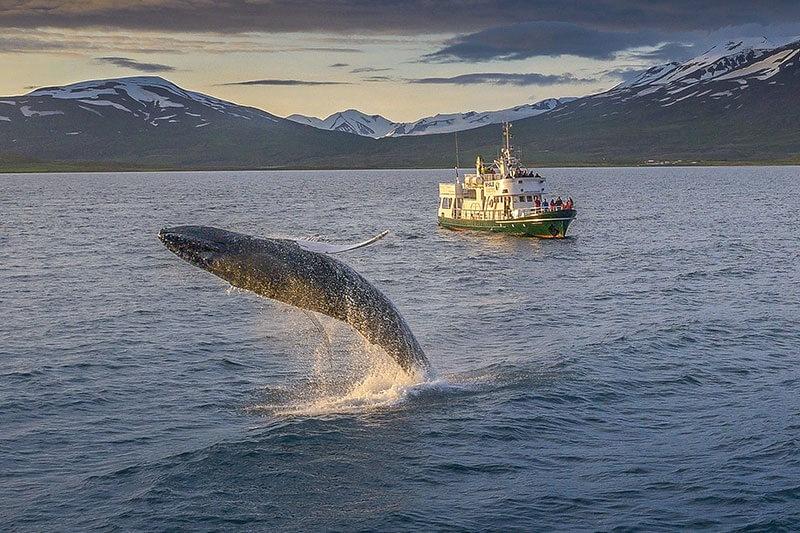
(559, 201)
(537, 202)
(544, 204)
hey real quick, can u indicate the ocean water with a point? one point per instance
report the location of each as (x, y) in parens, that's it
(643, 374)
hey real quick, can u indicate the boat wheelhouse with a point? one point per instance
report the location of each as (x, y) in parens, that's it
(504, 197)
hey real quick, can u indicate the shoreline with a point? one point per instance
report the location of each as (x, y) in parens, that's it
(89, 168)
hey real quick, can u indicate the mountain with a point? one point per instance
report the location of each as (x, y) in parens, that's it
(376, 126)
(737, 102)
(735, 60)
(150, 100)
(150, 122)
(350, 121)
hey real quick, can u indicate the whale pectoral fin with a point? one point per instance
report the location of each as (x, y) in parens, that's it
(328, 248)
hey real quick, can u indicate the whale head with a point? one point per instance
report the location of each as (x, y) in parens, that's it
(259, 265)
(199, 245)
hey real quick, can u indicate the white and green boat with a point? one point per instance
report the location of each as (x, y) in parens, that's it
(504, 197)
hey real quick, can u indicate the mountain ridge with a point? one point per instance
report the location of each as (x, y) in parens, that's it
(377, 126)
(735, 103)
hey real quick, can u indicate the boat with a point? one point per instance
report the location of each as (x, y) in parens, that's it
(504, 197)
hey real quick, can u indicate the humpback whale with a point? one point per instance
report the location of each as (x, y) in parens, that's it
(304, 275)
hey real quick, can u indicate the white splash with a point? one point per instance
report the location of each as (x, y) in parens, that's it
(381, 389)
(345, 373)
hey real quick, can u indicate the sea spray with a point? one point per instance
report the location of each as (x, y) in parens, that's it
(343, 373)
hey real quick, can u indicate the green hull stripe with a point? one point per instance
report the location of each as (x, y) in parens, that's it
(549, 225)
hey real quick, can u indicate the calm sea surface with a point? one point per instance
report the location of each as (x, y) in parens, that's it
(644, 374)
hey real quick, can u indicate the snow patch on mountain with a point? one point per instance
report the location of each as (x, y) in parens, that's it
(106, 103)
(650, 76)
(349, 121)
(729, 66)
(143, 89)
(764, 69)
(27, 111)
(448, 123)
(138, 95)
(376, 126)
(90, 110)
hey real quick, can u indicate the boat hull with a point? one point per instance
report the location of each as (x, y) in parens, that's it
(549, 225)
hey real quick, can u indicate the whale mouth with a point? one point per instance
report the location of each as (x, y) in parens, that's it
(184, 243)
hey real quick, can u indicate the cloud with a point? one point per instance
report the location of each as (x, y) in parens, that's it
(667, 52)
(362, 70)
(16, 40)
(338, 65)
(277, 82)
(499, 78)
(373, 79)
(410, 17)
(126, 62)
(624, 74)
(531, 39)
(20, 44)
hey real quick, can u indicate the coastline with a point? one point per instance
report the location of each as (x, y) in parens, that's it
(98, 167)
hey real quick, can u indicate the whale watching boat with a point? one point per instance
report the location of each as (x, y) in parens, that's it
(504, 197)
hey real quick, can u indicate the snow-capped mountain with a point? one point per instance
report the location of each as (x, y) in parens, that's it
(350, 121)
(149, 100)
(736, 102)
(376, 126)
(151, 122)
(720, 72)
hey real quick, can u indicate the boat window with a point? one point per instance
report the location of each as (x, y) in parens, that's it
(504, 191)
(521, 198)
(530, 199)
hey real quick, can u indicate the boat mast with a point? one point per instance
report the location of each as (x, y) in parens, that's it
(456, 134)
(506, 159)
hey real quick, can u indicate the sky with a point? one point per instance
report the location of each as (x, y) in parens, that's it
(401, 59)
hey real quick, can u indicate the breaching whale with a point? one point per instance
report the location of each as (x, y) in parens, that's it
(302, 274)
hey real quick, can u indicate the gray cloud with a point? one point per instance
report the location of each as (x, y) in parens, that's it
(362, 70)
(531, 39)
(19, 44)
(373, 79)
(127, 62)
(623, 73)
(338, 65)
(499, 78)
(388, 16)
(277, 82)
(20, 40)
(668, 52)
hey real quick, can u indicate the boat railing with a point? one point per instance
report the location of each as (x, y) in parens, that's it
(480, 214)
(538, 210)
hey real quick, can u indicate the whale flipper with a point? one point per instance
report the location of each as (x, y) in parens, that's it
(328, 248)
